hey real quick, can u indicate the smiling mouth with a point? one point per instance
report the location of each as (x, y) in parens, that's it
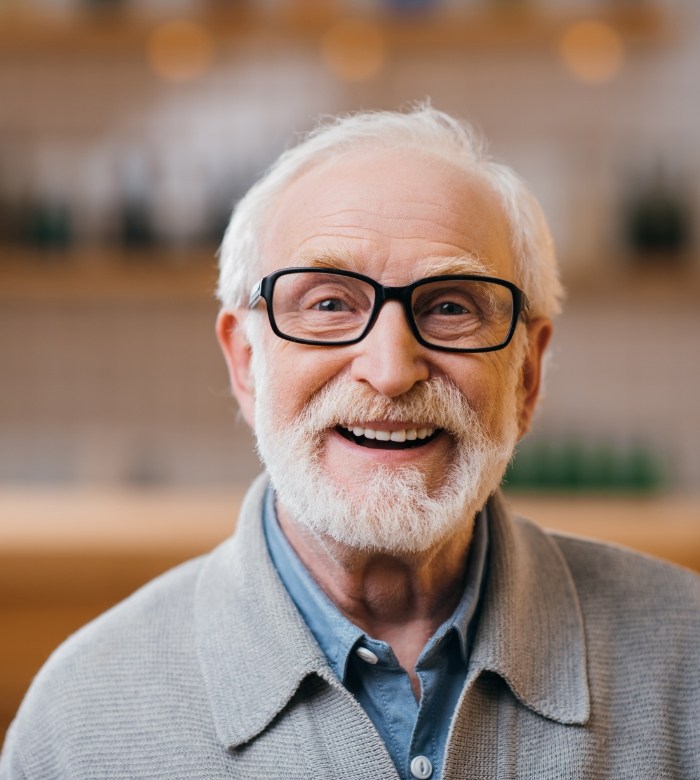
(406, 438)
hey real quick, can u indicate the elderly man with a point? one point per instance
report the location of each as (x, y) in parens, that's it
(388, 295)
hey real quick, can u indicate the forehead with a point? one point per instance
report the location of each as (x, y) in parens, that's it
(395, 215)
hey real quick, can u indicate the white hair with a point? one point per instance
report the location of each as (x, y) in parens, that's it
(426, 130)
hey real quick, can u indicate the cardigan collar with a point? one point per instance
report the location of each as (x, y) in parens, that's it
(255, 650)
(531, 627)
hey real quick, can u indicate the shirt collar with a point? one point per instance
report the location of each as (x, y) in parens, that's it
(336, 635)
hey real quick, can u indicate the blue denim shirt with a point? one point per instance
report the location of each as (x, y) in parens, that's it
(412, 730)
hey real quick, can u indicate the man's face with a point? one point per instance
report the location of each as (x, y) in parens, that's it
(396, 217)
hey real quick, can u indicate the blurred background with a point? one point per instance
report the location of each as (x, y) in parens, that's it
(127, 132)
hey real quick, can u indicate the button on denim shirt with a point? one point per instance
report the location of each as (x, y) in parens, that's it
(408, 727)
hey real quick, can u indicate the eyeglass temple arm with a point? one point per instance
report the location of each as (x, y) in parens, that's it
(524, 306)
(255, 295)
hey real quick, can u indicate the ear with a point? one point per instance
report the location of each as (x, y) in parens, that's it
(237, 354)
(539, 332)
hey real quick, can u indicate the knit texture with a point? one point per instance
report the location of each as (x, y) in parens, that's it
(585, 665)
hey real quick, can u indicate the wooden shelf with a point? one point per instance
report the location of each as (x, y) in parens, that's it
(103, 33)
(627, 283)
(100, 273)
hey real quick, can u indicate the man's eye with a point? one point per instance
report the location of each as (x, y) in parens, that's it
(331, 304)
(449, 308)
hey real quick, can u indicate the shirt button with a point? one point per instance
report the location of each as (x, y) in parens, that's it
(421, 767)
(366, 655)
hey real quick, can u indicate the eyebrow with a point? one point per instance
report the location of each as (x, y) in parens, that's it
(342, 260)
(463, 264)
(338, 259)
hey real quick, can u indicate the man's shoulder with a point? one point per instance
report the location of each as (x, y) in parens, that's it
(613, 581)
(113, 674)
(158, 610)
(612, 564)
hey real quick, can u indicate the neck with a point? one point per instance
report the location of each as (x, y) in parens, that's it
(399, 598)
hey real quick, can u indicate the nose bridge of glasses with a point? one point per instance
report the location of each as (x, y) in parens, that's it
(402, 295)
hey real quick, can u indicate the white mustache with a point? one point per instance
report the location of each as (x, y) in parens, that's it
(435, 403)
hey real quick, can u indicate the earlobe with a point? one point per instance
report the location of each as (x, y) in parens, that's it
(539, 333)
(237, 354)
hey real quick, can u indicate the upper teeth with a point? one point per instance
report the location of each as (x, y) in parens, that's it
(406, 434)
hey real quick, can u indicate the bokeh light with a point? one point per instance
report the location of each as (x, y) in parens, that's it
(180, 50)
(593, 51)
(354, 50)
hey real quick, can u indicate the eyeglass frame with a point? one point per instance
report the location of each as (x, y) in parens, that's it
(264, 290)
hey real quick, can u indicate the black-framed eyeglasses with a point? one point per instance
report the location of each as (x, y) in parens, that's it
(329, 307)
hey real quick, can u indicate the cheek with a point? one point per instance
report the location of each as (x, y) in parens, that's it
(478, 377)
(489, 384)
(295, 373)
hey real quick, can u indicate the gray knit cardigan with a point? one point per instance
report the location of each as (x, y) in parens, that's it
(585, 664)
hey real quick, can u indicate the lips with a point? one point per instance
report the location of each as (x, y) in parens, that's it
(376, 438)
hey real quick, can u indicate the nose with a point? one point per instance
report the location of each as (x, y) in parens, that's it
(389, 358)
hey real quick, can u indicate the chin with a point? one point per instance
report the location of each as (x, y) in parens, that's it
(391, 510)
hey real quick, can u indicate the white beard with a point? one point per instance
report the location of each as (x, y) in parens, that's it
(392, 510)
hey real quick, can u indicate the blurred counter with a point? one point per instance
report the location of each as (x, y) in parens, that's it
(67, 554)
(176, 523)
(665, 526)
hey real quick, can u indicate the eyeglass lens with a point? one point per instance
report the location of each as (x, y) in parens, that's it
(461, 314)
